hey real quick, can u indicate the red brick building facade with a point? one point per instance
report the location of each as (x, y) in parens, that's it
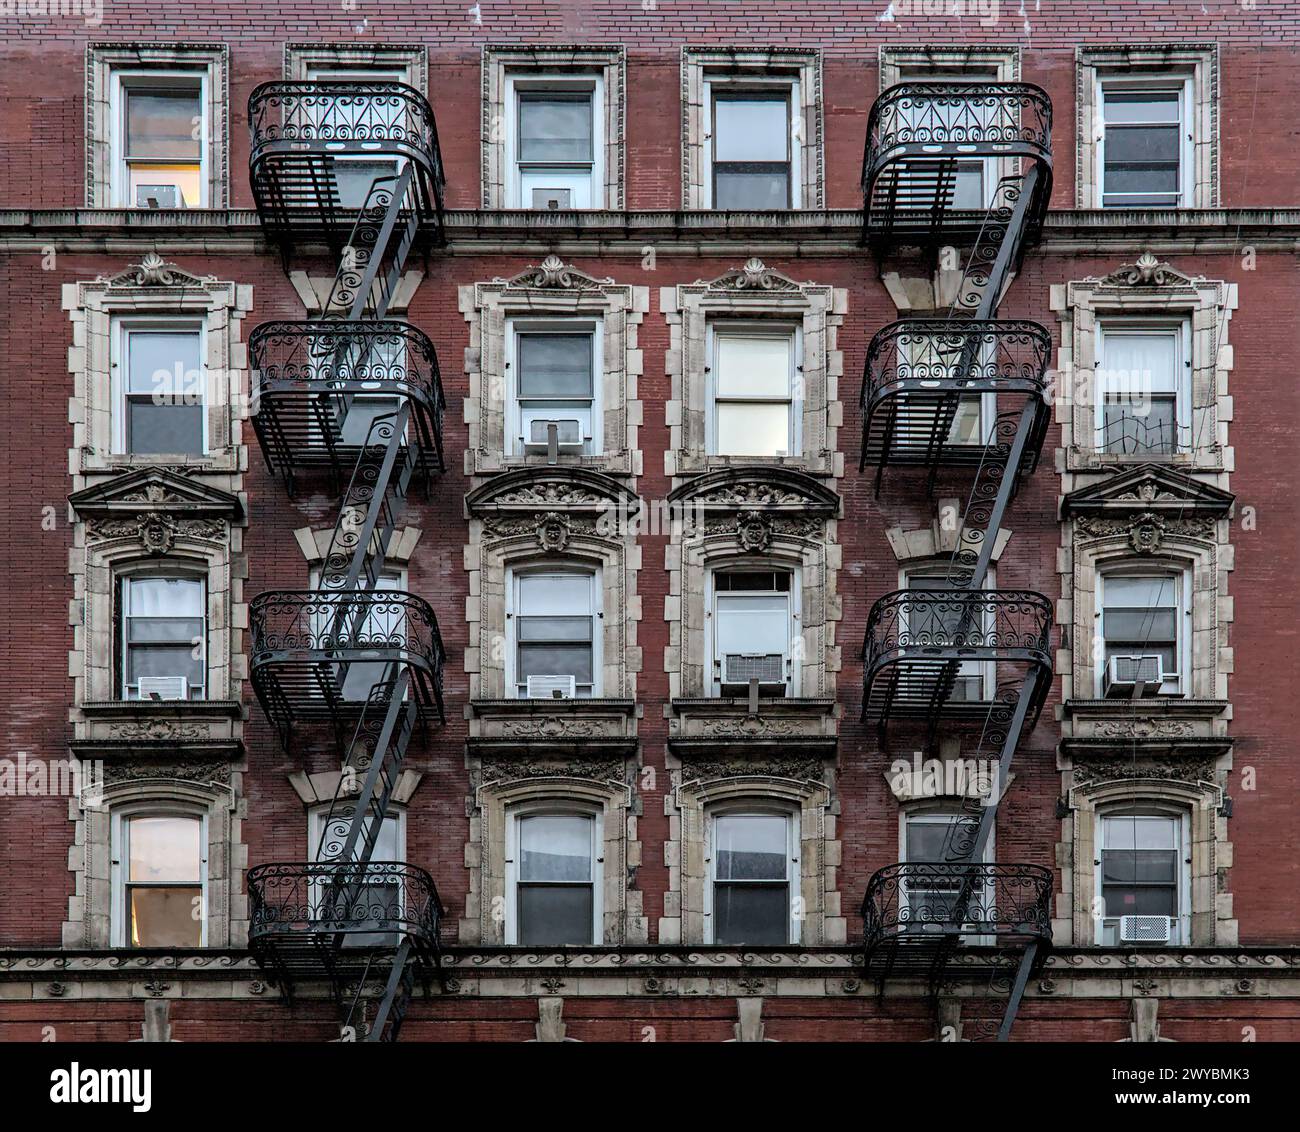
(1168, 250)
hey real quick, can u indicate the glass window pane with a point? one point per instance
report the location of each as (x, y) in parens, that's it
(164, 848)
(555, 847)
(164, 429)
(554, 127)
(753, 623)
(164, 597)
(1136, 362)
(1139, 624)
(166, 917)
(556, 660)
(751, 129)
(555, 365)
(162, 123)
(554, 915)
(1141, 145)
(159, 661)
(753, 430)
(1133, 429)
(927, 840)
(1161, 900)
(751, 914)
(163, 361)
(1138, 592)
(555, 628)
(554, 594)
(1141, 831)
(754, 366)
(762, 189)
(163, 630)
(1141, 106)
(751, 847)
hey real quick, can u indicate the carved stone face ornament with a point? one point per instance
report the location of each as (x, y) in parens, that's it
(553, 532)
(754, 531)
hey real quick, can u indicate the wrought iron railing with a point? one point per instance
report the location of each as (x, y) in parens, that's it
(937, 356)
(345, 117)
(311, 625)
(329, 898)
(957, 624)
(972, 900)
(941, 119)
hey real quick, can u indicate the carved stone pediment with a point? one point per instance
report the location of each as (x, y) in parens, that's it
(535, 491)
(1147, 271)
(157, 491)
(552, 726)
(763, 491)
(755, 275)
(1167, 727)
(1149, 488)
(553, 274)
(154, 271)
(135, 729)
(725, 725)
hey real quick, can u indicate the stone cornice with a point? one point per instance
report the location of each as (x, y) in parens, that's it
(829, 231)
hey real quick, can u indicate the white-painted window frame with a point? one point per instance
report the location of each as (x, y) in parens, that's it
(593, 573)
(794, 618)
(119, 857)
(1183, 859)
(796, 113)
(120, 327)
(122, 79)
(542, 807)
(794, 867)
(1145, 568)
(559, 82)
(520, 324)
(1180, 328)
(1154, 82)
(735, 328)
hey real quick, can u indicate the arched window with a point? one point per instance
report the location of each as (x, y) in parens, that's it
(553, 623)
(159, 872)
(162, 637)
(1145, 633)
(1143, 887)
(554, 875)
(752, 894)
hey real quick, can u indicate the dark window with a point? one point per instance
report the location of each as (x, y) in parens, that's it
(751, 150)
(1143, 148)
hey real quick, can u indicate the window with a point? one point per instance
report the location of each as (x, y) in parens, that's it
(751, 151)
(552, 878)
(753, 380)
(554, 148)
(927, 840)
(163, 638)
(1144, 151)
(354, 172)
(159, 866)
(936, 362)
(1141, 616)
(384, 898)
(754, 874)
(941, 622)
(553, 366)
(1143, 378)
(159, 139)
(1143, 869)
(754, 623)
(382, 356)
(383, 627)
(158, 374)
(555, 614)
(974, 178)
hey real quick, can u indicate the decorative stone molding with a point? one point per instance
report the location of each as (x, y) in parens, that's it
(314, 543)
(1200, 61)
(208, 787)
(500, 782)
(1193, 786)
(1145, 288)
(315, 292)
(942, 538)
(578, 728)
(803, 784)
(553, 289)
(776, 516)
(907, 61)
(103, 59)
(503, 60)
(702, 64)
(754, 292)
(300, 58)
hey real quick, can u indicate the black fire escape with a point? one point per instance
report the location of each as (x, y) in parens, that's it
(354, 401)
(959, 166)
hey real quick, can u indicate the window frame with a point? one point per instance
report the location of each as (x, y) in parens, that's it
(514, 574)
(1183, 884)
(1154, 82)
(935, 812)
(717, 328)
(741, 84)
(971, 72)
(794, 619)
(1180, 327)
(119, 858)
(144, 572)
(794, 863)
(161, 79)
(562, 83)
(1156, 569)
(549, 807)
(987, 669)
(120, 329)
(524, 324)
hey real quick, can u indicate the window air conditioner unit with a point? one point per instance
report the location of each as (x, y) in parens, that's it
(1124, 674)
(1145, 929)
(159, 196)
(766, 668)
(568, 436)
(552, 687)
(164, 688)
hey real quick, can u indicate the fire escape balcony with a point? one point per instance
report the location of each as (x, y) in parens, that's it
(952, 391)
(318, 148)
(941, 157)
(317, 656)
(915, 915)
(338, 919)
(935, 654)
(318, 387)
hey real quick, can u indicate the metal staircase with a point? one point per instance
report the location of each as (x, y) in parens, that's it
(353, 390)
(960, 165)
